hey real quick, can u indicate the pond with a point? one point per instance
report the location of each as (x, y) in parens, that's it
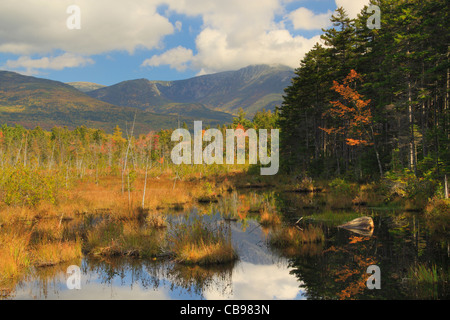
(412, 257)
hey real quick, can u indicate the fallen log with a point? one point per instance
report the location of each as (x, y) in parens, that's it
(363, 224)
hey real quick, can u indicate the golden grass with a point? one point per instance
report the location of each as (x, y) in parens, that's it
(206, 253)
(21, 249)
(14, 255)
(295, 238)
(156, 221)
(197, 242)
(50, 254)
(114, 238)
(268, 218)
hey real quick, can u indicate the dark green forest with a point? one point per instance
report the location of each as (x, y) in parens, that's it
(372, 102)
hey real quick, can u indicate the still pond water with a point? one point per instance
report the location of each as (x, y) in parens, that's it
(333, 269)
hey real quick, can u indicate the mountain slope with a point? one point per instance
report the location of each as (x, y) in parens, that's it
(33, 101)
(252, 88)
(140, 93)
(86, 86)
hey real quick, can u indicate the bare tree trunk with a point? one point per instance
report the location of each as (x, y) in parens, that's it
(25, 151)
(126, 154)
(446, 187)
(412, 144)
(145, 184)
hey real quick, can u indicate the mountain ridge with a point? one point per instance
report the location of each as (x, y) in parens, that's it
(32, 102)
(213, 99)
(252, 88)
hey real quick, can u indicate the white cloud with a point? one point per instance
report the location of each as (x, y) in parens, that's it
(31, 26)
(305, 19)
(31, 66)
(217, 53)
(177, 58)
(352, 7)
(234, 33)
(260, 282)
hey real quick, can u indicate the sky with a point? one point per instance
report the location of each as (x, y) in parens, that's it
(109, 41)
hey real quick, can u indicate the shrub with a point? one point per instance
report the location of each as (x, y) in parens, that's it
(23, 186)
(341, 194)
(415, 191)
(437, 213)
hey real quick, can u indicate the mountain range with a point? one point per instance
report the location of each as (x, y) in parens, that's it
(253, 88)
(213, 99)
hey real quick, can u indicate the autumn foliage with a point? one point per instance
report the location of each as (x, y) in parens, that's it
(352, 111)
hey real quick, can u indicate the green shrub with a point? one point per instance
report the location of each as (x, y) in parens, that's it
(341, 187)
(23, 186)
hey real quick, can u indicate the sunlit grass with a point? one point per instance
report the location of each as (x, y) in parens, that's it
(197, 242)
(156, 221)
(295, 238)
(114, 238)
(14, 255)
(50, 254)
(269, 218)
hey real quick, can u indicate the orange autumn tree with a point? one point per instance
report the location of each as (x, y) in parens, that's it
(354, 114)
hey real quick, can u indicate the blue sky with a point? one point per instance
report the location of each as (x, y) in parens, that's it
(121, 40)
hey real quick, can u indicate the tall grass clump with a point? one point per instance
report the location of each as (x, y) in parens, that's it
(50, 254)
(14, 255)
(269, 215)
(341, 194)
(115, 238)
(200, 243)
(426, 275)
(292, 237)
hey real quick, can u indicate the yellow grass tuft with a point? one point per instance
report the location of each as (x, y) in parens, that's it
(293, 237)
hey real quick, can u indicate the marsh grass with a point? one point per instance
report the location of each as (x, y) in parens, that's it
(228, 207)
(426, 280)
(200, 243)
(116, 238)
(269, 218)
(15, 256)
(24, 247)
(268, 215)
(156, 221)
(425, 274)
(51, 254)
(292, 237)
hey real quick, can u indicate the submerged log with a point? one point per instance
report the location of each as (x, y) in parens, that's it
(363, 224)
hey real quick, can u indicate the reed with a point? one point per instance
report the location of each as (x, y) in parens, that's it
(14, 255)
(50, 254)
(200, 243)
(115, 238)
(295, 238)
(425, 274)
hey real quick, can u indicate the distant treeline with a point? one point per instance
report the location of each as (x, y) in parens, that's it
(85, 148)
(372, 101)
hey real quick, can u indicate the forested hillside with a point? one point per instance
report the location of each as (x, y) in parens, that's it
(368, 101)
